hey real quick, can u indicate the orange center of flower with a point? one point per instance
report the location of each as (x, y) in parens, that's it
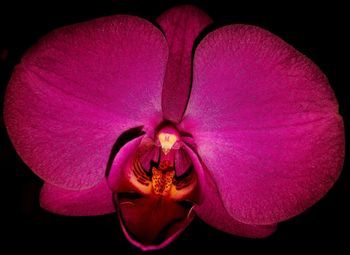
(155, 199)
(161, 178)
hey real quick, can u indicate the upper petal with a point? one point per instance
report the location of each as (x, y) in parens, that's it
(266, 124)
(181, 26)
(75, 92)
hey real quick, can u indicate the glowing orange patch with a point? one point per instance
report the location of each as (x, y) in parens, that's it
(162, 181)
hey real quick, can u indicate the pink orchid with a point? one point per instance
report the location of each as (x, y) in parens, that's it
(116, 115)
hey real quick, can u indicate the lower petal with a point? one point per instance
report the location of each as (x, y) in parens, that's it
(97, 200)
(267, 176)
(213, 212)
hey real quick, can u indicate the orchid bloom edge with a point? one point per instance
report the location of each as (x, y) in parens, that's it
(244, 135)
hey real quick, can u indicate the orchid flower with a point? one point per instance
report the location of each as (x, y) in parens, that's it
(117, 115)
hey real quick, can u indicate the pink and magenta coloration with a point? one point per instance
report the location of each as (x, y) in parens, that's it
(242, 130)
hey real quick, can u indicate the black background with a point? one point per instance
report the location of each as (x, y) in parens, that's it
(318, 30)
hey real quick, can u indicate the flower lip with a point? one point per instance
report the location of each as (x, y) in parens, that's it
(145, 243)
(154, 207)
(157, 187)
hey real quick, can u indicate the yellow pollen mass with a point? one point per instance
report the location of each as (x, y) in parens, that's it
(162, 181)
(167, 141)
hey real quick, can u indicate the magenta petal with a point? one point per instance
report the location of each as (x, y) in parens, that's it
(213, 212)
(78, 89)
(266, 124)
(150, 152)
(181, 26)
(182, 162)
(94, 201)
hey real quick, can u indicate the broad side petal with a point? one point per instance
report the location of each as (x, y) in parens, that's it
(75, 92)
(266, 124)
(181, 26)
(97, 200)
